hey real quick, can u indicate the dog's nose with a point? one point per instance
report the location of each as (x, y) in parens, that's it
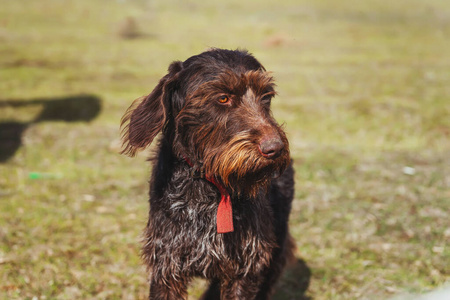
(271, 147)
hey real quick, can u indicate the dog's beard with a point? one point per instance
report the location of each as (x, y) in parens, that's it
(241, 168)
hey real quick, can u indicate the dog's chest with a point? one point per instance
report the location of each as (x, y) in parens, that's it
(184, 232)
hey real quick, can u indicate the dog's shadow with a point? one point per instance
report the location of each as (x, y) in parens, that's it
(68, 109)
(295, 282)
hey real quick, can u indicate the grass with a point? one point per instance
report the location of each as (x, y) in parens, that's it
(364, 90)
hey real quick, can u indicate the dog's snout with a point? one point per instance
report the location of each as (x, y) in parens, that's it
(271, 147)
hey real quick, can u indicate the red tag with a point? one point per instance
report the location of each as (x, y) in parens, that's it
(224, 211)
(225, 215)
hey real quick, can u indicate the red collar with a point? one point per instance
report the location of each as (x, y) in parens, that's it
(224, 218)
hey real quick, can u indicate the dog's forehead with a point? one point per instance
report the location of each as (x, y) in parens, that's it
(235, 82)
(259, 82)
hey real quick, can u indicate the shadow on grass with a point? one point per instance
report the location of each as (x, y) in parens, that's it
(67, 109)
(295, 282)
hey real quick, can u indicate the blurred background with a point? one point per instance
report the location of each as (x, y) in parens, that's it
(364, 90)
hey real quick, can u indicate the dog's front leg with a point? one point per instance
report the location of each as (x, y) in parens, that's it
(245, 288)
(167, 290)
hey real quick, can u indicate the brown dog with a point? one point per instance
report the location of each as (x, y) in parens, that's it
(222, 182)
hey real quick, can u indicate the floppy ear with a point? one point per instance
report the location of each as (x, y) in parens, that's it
(146, 117)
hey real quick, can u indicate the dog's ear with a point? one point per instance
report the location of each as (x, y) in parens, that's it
(146, 117)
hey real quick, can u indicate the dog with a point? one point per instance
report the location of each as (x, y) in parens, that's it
(222, 180)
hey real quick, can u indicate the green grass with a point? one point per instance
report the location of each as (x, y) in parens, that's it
(364, 89)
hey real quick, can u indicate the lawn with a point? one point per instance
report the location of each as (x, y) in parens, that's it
(363, 90)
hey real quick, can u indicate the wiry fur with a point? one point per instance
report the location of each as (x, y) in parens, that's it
(225, 141)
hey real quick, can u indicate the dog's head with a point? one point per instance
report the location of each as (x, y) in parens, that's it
(214, 108)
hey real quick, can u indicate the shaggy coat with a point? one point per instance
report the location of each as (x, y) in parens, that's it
(218, 141)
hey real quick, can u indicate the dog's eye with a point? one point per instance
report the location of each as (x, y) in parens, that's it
(266, 100)
(224, 99)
